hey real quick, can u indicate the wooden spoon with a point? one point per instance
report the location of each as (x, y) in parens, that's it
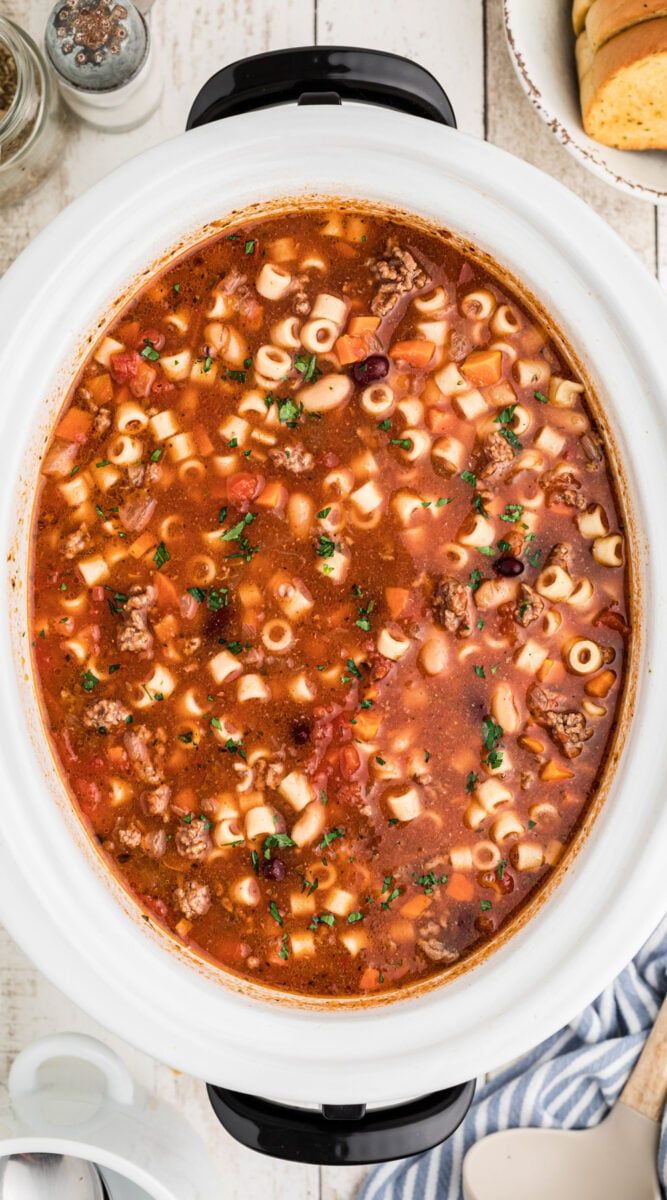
(614, 1161)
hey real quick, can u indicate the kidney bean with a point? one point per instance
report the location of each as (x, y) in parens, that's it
(508, 565)
(301, 732)
(274, 869)
(370, 369)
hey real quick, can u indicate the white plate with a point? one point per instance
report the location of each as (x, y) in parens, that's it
(541, 43)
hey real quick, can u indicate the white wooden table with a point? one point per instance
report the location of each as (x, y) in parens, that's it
(462, 42)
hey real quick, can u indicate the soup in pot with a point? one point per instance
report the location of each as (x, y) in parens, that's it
(328, 600)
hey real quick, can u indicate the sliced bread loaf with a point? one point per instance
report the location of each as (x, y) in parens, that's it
(624, 88)
(579, 10)
(607, 18)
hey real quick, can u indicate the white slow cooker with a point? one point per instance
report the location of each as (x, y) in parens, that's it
(56, 898)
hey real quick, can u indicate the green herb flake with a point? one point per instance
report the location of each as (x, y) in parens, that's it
(485, 905)
(156, 456)
(89, 681)
(354, 917)
(541, 398)
(306, 365)
(150, 352)
(479, 672)
(471, 781)
(404, 443)
(273, 909)
(161, 555)
(469, 477)
(331, 836)
(276, 841)
(512, 513)
(324, 512)
(249, 247)
(385, 425)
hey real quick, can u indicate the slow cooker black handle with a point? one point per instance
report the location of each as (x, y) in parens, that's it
(322, 75)
(339, 1135)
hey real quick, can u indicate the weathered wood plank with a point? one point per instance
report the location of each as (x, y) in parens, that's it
(194, 40)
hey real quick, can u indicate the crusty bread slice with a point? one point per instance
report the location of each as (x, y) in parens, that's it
(579, 11)
(624, 91)
(584, 56)
(607, 18)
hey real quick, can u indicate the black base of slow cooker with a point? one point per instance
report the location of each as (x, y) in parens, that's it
(334, 1134)
(341, 1134)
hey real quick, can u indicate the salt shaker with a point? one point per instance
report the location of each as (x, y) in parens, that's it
(104, 59)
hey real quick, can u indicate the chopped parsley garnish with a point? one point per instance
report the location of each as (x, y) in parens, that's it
(354, 917)
(475, 579)
(494, 759)
(385, 425)
(289, 412)
(534, 558)
(236, 748)
(113, 668)
(485, 905)
(471, 781)
(469, 477)
(479, 672)
(324, 512)
(283, 952)
(89, 681)
(380, 761)
(235, 532)
(331, 836)
(249, 246)
(306, 365)
(156, 456)
(150, 352)
(326, 547)
(491, 733)
(353, 668)
(198, 593)
(393, 895)
(478, 505)
(236, 376)
(273, 909)
(505, 418)
(404, 443)
(512, 513)
(254, 859)
(187, 738)
(161, 555)
(443, 500)
(487, 550)
(275, 840)
(540, 396)
(176, 288)
(501, 867)
(208, 363)
(366, 704)
(322, 919)
(532, 824)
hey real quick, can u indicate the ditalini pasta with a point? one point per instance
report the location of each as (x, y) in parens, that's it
(329, 601)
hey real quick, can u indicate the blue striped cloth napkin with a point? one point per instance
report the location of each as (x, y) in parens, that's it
(568, 1082)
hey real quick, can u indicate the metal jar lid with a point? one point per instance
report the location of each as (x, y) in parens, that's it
(96, 45)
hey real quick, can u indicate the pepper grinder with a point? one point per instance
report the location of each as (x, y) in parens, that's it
(105, 62)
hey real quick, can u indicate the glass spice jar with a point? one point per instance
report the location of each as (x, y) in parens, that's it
(31, 124)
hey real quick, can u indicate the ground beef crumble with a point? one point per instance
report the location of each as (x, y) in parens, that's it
(568, 729)
(398, 273)
(450, 604)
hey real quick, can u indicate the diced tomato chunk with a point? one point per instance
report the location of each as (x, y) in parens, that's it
(129, 367)
(242, 488)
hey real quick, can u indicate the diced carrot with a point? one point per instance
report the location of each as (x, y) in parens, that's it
(204, 444)
(141, 545)
(438, 422)
(166, 628)
(601, 685)
(366, 725)
(350, 349)
(167, 596)
(416, 906)
(553, 773)
(362, 324)
(75, 425)
(483, 368)
(369, 979)
(532, 744)
(460, 888)
(416, 352)
(345, 250)
(273, 495)
(117, 756)
(397, 599)
(128, 332)
(184, 801)
(545, 669)
(100, 388)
